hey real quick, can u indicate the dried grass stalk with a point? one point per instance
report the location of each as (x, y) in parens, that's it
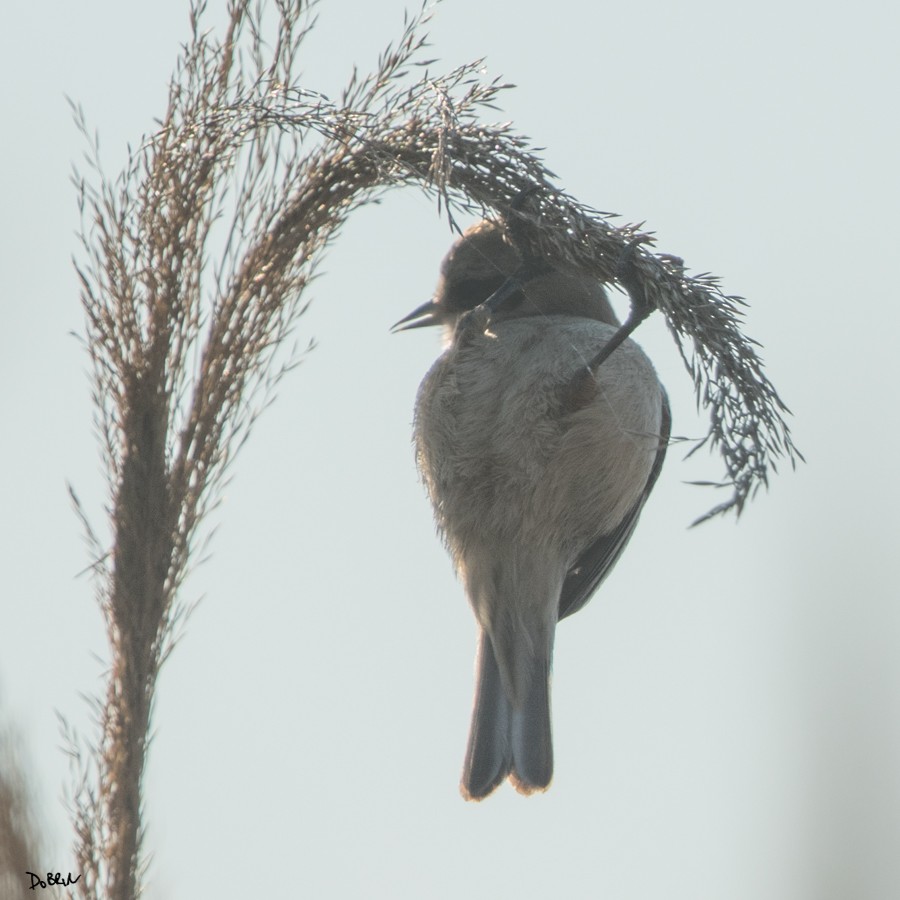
(21, 847)
(192, 273)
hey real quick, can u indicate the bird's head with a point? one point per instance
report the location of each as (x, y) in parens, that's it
(483, 264)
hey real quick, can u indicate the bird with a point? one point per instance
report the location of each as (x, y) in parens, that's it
(537, 466)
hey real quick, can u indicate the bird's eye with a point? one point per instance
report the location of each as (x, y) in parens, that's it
(472, 292)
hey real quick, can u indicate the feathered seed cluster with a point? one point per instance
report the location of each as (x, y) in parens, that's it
(193, 269)
(430, 135)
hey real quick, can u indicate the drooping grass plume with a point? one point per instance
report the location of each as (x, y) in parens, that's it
(193, 268)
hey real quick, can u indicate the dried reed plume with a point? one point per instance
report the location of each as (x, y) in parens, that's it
(192, 273)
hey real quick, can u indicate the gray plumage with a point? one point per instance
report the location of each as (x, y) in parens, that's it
(537, 469)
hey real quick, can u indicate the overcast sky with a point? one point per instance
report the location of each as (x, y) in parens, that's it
(726, 710)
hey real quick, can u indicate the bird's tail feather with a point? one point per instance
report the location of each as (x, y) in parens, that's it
(532, 742)
(508, 739)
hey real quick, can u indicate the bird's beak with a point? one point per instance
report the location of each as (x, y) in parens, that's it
(421, 317)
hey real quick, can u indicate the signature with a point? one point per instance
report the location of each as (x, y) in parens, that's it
(52, 878)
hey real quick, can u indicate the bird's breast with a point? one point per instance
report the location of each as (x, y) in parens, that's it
(516, 439)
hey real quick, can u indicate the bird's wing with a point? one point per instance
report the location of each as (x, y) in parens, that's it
(597, 560)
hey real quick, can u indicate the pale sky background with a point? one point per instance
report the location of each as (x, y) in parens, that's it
(726, 710)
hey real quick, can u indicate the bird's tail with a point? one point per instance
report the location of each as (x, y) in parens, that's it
(508, 739)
